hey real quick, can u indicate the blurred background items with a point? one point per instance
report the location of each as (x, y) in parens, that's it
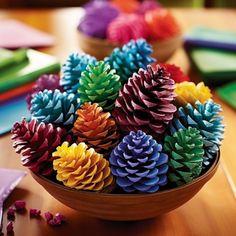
(70, 3)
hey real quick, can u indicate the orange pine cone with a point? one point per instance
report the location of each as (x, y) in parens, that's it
(96, 128)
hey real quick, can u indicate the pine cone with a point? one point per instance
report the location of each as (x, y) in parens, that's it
(139, 164)
(96, 128)
(54, 107)
(47, 81)
(145, 102)
(185, 151)
(204, 117)
(188, 92)
(162, 24)
(125, 6)
(148, 5)
(36, 142)
(98, 15)
(75, 64)
(127, 27)
(130, 58)
(81, 168)
(99, 84)
(175, 72)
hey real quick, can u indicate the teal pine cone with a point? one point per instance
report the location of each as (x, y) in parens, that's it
(54, 107)
(185, 150)
(75, 64)
(99, 84)
(133, 56)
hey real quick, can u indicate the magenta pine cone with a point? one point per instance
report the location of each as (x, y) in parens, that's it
(148, 5)
(47, 81)
(127, 27)
(146, 102)
(36, 141)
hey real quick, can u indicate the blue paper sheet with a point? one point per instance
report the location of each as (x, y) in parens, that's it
(12, 111)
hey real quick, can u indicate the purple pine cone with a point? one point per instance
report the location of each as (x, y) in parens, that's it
(47, 81)
(139, 163)
(146, 102)
(97, 17)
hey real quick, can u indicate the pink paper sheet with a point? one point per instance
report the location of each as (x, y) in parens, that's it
(15, 34)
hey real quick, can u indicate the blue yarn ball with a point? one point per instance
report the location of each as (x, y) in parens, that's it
(54, 107)
(206, 118)
(130, 58)
(75, 64)
(139, 163)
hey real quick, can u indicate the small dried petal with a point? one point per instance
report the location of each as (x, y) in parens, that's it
(11, 213)
(34, 213)
(60, 217)
(10, 228)
(57, 220)
(20, 205)
(48, 216)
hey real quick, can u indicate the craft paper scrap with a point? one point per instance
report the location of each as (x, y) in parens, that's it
(16, 34)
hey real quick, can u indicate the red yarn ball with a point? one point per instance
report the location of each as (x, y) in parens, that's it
(162, 24)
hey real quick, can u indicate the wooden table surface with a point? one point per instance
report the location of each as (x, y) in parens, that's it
(211, 212)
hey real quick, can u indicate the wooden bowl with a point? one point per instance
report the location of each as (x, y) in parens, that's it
(100, 48)
(126, 207)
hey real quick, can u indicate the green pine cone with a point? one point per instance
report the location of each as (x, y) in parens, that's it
(185, 150)
(99, 84)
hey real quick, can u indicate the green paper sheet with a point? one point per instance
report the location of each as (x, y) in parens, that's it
(10, 58)
(228, 94)
(28, 70)
(216, 66)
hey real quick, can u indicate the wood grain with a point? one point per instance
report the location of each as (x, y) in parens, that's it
(137, 206)
(100, 48)
(211, 212)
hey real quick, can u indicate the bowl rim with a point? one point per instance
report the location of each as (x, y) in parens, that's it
(213, 167)
(106, 41)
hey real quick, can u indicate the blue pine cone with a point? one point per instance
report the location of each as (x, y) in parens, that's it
(206, 118)
(75, 64)
(139, 163)
(130, 58)
(54, 107)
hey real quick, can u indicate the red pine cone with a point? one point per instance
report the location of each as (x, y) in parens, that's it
(175, 72)
(36, 142)
(146, 102)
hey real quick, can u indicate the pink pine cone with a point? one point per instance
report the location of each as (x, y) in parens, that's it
(36, 142)
(146, 102)
(126, 27)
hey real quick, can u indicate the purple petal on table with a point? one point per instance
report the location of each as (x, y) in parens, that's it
(9, 178)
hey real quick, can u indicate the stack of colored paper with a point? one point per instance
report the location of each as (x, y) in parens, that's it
(213, 53)
(19, 69)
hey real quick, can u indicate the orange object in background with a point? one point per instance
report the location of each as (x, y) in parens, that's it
(16, 92)
(127, 6)
(162, 24)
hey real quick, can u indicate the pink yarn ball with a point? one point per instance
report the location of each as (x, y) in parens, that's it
(126, 27)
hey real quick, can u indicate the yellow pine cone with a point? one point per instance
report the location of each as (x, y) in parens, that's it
(96, 128)
(189, 92)
(82, 168)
